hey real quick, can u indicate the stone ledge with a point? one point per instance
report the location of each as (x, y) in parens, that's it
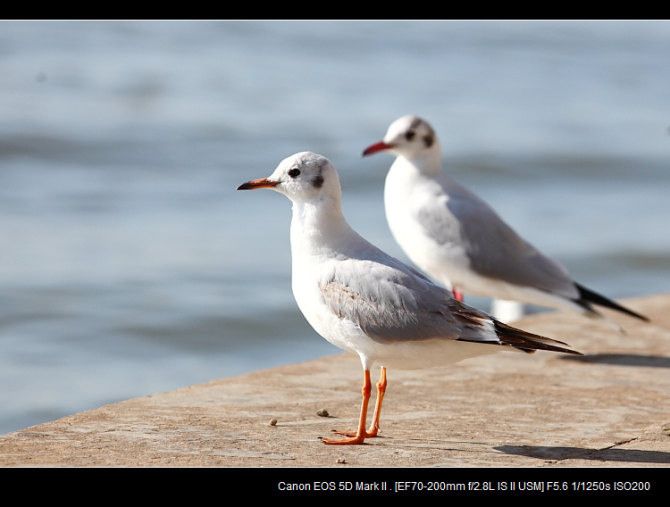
(610, 408)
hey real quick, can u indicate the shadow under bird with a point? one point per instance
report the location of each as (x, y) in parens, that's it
(370, 304)
(459, 240)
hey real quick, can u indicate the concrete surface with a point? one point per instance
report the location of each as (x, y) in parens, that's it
(609, 408)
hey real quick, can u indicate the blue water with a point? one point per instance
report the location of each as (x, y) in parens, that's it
(129, 264)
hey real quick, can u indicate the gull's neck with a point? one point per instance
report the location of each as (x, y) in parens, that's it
(318, 227)
(428, 163)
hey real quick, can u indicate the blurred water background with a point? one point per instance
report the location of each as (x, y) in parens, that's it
(129, 264)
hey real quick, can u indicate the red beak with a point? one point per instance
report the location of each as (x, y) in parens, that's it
(380, 146)
(260, 183)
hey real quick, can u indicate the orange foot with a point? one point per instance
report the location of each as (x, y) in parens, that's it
(356, 439)
(366, 434)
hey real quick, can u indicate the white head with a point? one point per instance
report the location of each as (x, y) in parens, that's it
(408, 136)
(303, 177)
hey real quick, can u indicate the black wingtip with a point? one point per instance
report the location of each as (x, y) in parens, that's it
(530, 342)
(587, 296)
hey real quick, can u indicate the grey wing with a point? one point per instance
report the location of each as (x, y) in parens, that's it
(391, 304)
(495, 250)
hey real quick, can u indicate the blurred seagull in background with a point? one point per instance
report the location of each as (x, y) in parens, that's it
(459, 240)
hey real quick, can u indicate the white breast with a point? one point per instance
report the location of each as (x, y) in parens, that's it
(406, 195)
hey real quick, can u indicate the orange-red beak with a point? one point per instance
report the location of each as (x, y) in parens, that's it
(380, 146)
(259, 183)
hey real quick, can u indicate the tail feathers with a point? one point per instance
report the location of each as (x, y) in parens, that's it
(529, 342)
(588, 297)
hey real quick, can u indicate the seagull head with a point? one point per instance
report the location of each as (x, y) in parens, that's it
(302, 177)
(408, 136)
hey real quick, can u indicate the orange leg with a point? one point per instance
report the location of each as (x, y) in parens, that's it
(381, 389)
(458, 295)
(360, 435)
(374, 427)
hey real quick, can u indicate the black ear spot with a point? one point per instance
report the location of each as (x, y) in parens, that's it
(317, 181)
(428, 140)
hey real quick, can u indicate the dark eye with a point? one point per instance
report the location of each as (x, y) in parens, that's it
(410, 135)
(294, 172)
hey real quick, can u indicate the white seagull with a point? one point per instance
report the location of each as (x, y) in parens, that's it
(456, 238)
(369, 303)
